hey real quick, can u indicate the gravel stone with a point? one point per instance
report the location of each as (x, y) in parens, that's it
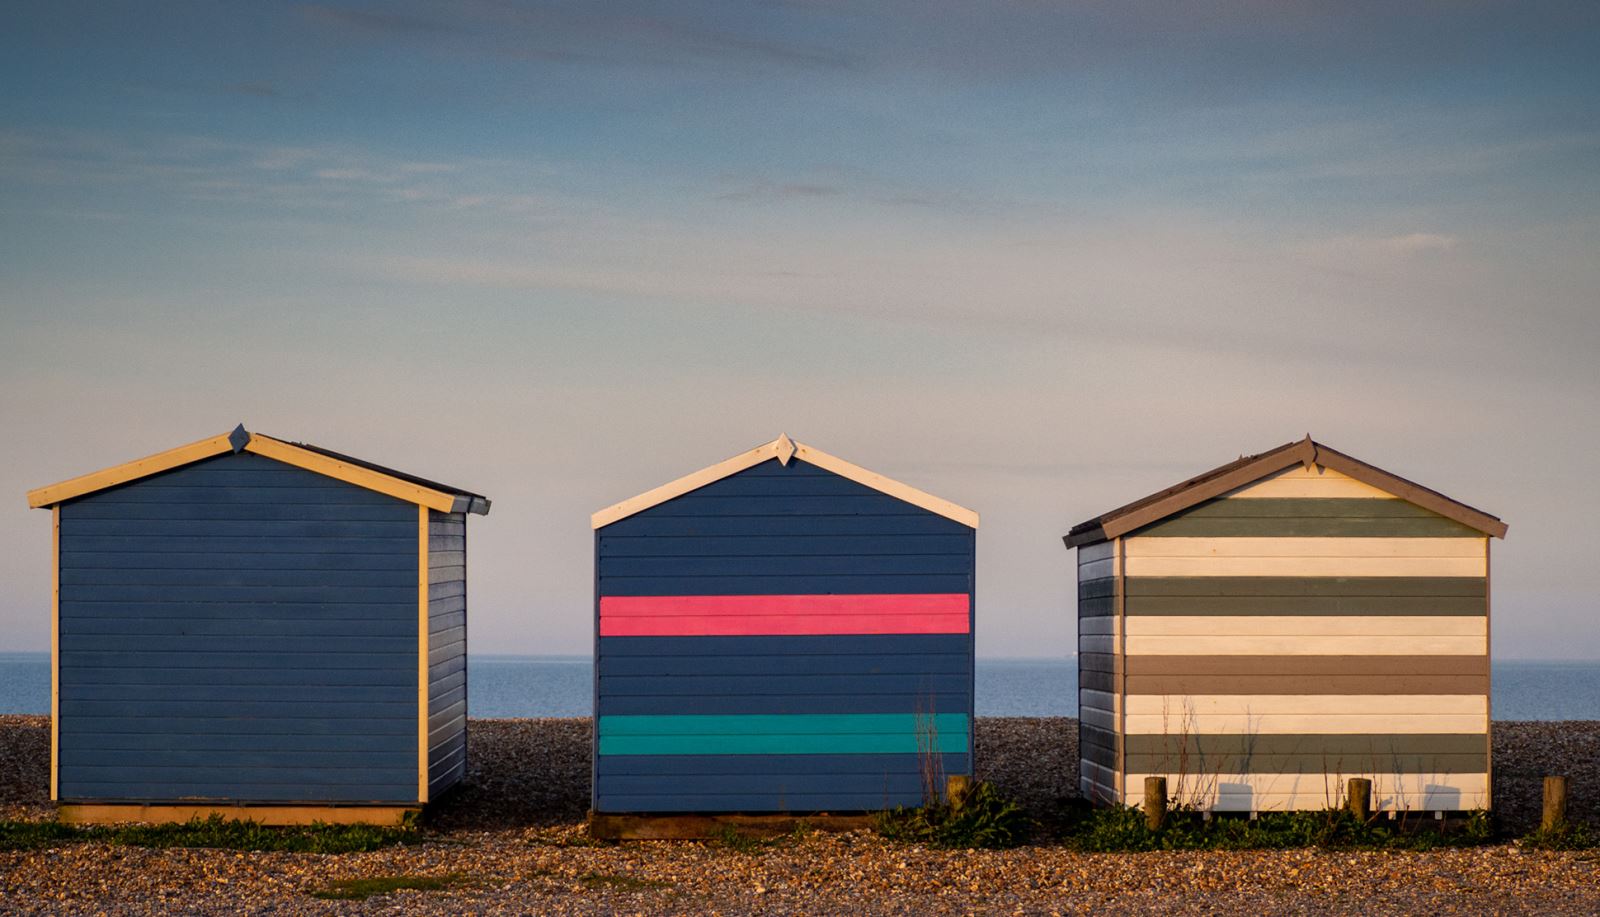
(514, 835)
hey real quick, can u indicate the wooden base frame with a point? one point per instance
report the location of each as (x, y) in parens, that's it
(701, 827)
(163, 813)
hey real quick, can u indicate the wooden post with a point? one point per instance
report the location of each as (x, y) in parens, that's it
(1359, 798)
(1155, 802)
(1555, 804)
(956, 790)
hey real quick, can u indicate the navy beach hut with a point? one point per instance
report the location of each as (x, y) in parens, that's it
(257, 627)
(783, 632)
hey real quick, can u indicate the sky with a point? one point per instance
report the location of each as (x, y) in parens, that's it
(1039, 259)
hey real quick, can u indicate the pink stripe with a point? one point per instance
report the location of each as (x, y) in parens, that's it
(781, 615)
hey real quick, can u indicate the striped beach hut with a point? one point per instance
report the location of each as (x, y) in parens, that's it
(256, 627)
(783, 632)
(1264, 631)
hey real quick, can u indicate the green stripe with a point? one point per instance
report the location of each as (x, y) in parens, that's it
(1295, 595)
(797, 734)
(1307, 518)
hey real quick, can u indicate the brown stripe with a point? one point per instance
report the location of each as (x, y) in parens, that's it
(1305, 684)
(1334, 747)
(1307, 665)
(1366, 605)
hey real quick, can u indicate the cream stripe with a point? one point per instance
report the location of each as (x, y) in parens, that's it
(1302, 625)
(1298, 645)
(1471, 548)
(1267, 792)
(1299, 482)
(1305, 566)
(1179, 707)
(1307, 723)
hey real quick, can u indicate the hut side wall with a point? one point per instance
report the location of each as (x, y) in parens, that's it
(782, 640)
(1098, 670)
(238, 630)
(447, 650)
(1302, 630)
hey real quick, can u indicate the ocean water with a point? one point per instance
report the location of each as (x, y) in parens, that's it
(523, 686)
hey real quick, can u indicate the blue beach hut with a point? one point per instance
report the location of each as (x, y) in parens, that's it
(783, 632)
(256, 627)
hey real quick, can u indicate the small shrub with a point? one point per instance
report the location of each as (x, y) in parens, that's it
(1570, 836)
(732, 838)
(983, 819)
(1123, 828)
(361, 889)
(215, 832)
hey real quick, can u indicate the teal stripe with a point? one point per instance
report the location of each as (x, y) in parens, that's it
(1307, 518)
(798, 734)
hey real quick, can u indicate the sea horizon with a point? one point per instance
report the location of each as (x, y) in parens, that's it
(535, 685)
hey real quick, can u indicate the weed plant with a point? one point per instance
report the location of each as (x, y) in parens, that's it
(984, 819)
(216, 831)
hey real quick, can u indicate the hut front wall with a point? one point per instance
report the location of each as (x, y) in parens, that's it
(1302, 630)
(782, 640)
(238, 630)
(447, 650)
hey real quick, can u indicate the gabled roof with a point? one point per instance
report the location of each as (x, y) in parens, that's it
(1251, 468)
(435, 496)
(783, 449)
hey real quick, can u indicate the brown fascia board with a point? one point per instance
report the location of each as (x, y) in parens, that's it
(1234, 475)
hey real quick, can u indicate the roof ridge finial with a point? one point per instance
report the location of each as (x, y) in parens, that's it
(785, 447)
(239, 438)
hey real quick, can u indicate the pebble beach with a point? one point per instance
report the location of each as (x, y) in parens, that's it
(511, 841)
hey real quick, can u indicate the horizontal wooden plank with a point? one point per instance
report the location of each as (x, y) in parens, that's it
(819, 525)
(194, 792)
(127, 595)
(1319, 482)
(1098, 625)
(1298, 723)
(814, 684)
(1271, 704)
(1097, 569)
(784, 585)
(1335, 746)
(701, 503)
(790, 565)
(746, 615)
(1096, 608)
(333, 676)
(1376, 626)
(74, 740)
(325, 724)
(198, 644)
(1307, 518)
(230, 578)
(238, 512)
(800, 783)
(1294, 645)
(146, 531)
(1097, 718)
(753, 803)
(154, 492)
(1096, 643)
(239, 626)
(1371, 605)
(1313, 762)
(1097, 662)
(1305, 557)
(1098, 681)
(96, 814)
(1310, 664)
(323, 708)
(615, 547)
(120, 610)
(779, 664)
(1241, 587)
(811, 645)
(227, 691)
(1278, 792)
(1307, 684)
(672, 766)
(776, 704)
(1104, 587)
(1090, 553)
(796, 734)
(131, 764)
(1105, 757)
